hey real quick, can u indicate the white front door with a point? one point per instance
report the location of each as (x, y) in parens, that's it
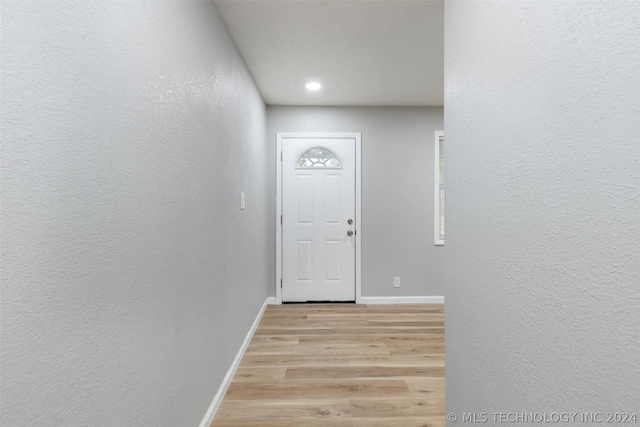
(318, 219)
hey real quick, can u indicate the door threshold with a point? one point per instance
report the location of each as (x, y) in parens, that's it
(318, 302)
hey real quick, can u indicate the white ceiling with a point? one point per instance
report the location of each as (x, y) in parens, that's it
(363, 52)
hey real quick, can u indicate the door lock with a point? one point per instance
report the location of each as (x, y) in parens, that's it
(349, 221)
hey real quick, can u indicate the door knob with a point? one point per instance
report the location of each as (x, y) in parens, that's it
(349, 233)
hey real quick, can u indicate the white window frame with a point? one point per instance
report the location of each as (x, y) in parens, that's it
(437, 240)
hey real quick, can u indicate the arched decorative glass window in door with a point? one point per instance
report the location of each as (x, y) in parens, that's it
(318, 157)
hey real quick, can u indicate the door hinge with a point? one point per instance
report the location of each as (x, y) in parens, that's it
(281, 283)
(280, 219)
(281, 156)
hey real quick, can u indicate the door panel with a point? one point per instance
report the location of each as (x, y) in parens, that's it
(318, 256)
(332, 198)
(334, 258)
(304, 255)
(304, 186)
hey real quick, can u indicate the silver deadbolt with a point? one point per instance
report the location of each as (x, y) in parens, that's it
(349, 221)
(350, 233)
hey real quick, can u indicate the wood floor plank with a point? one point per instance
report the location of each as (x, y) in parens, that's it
(387, 337)
(370, 315)
(322, 324)
(407, 323)
(342, 365)
(296, 373)
(269, 409)
(418, 360)
(426, 387)
(393, 407)
(317, 389)
(425, 339)
(390, 330)
(325, 348)
(264, 330)
(256, 423)
(274, 340)
(416, 349)
(259, 374)
(428, 421)
(295, 360)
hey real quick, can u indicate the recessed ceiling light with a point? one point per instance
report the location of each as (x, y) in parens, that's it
(314, 86)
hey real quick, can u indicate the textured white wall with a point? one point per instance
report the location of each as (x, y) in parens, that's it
(543, 205)
(397, 190)
(129, 274)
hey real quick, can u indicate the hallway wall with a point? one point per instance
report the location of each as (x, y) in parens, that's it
(129, 274)
(397, 190)
(543, 206)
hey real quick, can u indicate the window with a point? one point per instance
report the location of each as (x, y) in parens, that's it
(318, 157)
(439, 188)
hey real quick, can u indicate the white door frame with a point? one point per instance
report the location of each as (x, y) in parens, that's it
(279, 141)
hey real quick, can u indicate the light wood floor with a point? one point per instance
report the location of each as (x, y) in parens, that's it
(342, 365)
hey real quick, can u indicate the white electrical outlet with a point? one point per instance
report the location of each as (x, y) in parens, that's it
(396, 282)
(241, 201)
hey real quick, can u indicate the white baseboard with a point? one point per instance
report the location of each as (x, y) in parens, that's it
(402, 300)
(226, 382)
